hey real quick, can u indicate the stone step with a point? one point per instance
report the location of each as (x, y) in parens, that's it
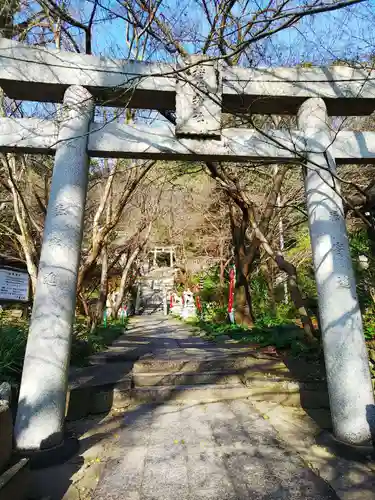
(120, 355)
(250, 378)
(211, 359)
(286, 393)
(189, 393)
(14, 482)
(261, 387)
(184, 378)
(119, 394)
(97, 389)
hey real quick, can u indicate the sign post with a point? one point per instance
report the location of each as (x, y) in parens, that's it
(14, 284)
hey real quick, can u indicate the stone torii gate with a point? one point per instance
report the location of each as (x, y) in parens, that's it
(170, 251)
(198, 92)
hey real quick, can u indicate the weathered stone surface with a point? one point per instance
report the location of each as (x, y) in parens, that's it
(25, 135)
(41, 74)
(100, 375)
(352, 476)
(5, 393)
(78, 403)
(98, 388)
(205, 358)
(202, 394)
(14, 482)
(185, 378)
(345, 353)
(6, 435)
(42, 399)
(216, 451)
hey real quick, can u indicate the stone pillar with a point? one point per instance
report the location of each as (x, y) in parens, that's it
(138, 299)
(155, 255)
(349, 382)
(41, 408)
(165, 303)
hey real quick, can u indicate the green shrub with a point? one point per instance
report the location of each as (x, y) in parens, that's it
(368, 318)
(261, 300)
(87, 343)
(213, 312)
(281, 336)
(13, 338)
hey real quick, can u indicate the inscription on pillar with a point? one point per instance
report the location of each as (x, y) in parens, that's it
(199, 98)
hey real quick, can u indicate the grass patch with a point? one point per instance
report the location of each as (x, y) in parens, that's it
(13, 335)
(13, 338)
(282, 337)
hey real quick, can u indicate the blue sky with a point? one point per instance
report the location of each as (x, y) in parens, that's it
(348, 33)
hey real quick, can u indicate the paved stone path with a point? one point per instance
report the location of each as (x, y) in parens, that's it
(217, 451)
(223, 450)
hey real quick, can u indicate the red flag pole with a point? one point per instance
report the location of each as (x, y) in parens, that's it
(232, 277)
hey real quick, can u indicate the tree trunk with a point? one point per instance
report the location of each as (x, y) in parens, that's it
(123, 282)
(221, 283)
(85, 305)
(267, 273)
(23, 216)
(102, 299)
(244, 314)
(296, 296)
(31, 266)
(125, 272)
(294, 290)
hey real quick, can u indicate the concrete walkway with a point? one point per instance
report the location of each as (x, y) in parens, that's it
(223, 450)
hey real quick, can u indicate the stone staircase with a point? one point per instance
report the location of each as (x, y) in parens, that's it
(170, 364)
(152, 290)
(228, 373)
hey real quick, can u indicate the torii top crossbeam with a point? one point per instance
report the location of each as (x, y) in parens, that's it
(40, 74)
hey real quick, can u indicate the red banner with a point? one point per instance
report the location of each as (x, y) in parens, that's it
(232, 275)
(198, 303)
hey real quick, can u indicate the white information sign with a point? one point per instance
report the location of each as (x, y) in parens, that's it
(14, 285)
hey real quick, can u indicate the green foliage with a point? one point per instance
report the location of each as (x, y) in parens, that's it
(365, 278)
(213, 312)
(368, 318)
(359, 243)
(268, 313)
(259, 294)
(13, 337)
(211, 291)
(283, 315)
(280, 336)
(301, 243)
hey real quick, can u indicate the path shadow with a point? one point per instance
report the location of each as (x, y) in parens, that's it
(311, 377)
(60, 479)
